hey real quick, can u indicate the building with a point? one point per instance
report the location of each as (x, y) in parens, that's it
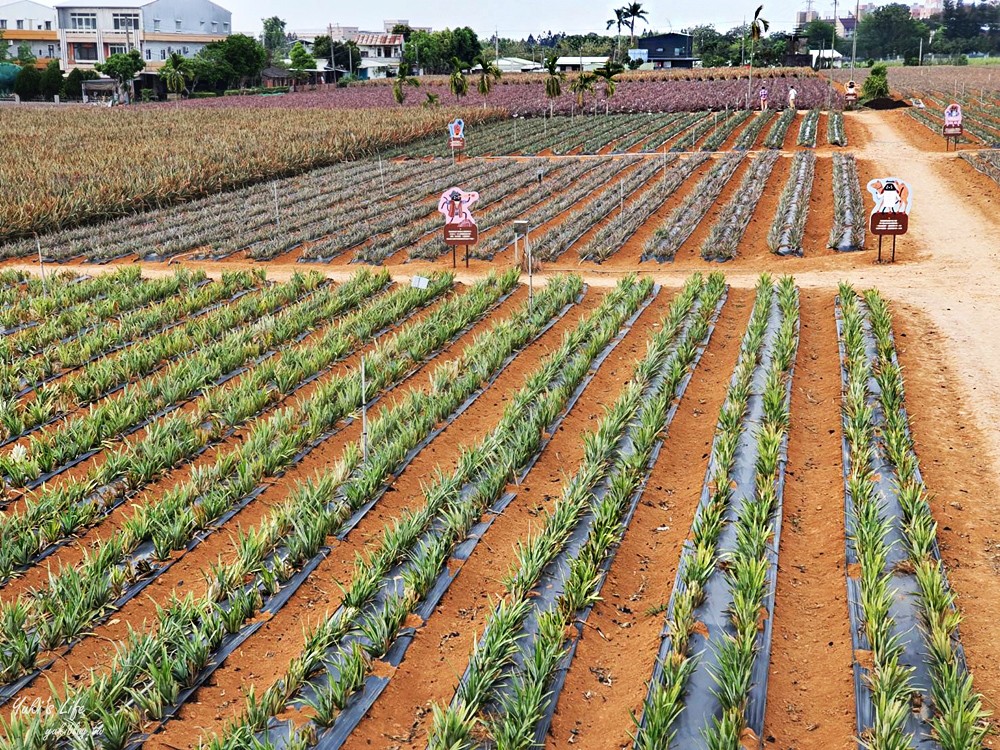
(674, 50)
(803, 17)
(846, 27)
(380, 54)
(90, 33)
(31, 23)
(576, 63)
(513, 65)
(925, 10)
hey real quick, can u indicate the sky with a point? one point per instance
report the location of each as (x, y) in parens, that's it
(513, 18)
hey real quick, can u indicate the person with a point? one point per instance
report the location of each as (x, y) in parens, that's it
(791, 97)
(763, 98)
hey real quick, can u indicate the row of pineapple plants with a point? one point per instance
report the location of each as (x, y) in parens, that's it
(58, 612)
(892, 537)
(724, 239)
(679, 226)
(849, 216)
(788, 228)
(598, 497)
(706, 553)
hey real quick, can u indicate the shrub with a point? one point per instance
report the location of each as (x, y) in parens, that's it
(877, 83)
(147, 95)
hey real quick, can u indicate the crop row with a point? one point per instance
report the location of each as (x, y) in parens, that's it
(608, 239)
(675, 230)
(788, 229)
(134, 332)
(416, 548)
(848, 232)
(776, 135)
(809, 129)
(723, 240)
(987, 162)
(835, 134)
(723, 595)
(903, 611)
(748, 137)
(559, 570)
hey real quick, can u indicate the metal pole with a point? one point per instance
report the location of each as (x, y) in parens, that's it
(364, 413)
(41, 266)
(277, 216)
(381, 173)
(531, 270)
(854, 39)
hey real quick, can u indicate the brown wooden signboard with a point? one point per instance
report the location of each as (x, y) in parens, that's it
(885, 224)
(455, 234)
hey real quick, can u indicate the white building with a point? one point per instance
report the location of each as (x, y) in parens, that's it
(576, 63)
(89, 33)
(380, 53)
(31, 23)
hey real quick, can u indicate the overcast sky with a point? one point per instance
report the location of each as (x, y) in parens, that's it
(513, 18)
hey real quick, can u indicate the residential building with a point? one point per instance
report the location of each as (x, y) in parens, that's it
(380, 54)
(31, 23)
(803, 17)
(90, 33)
(389, 24)
(513, 65)
(674, 50)
(846, 27)
(576, 63)
(926, 9)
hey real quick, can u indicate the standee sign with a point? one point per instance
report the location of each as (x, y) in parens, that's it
(456, 134)
(890, 217)
(460, 226)
(953, 121)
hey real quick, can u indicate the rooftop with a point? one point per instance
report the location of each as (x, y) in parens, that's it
(374, 40)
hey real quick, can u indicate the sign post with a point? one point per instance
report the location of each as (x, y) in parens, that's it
(456, 136)
(952, 130)
(851, 93)
(891, 214)
(521, 230)
(460, 226)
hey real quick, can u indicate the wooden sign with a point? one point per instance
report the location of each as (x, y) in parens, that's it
(953, 121)
(460, 226)
(456, 134)
(891, 213)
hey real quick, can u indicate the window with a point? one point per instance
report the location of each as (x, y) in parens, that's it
(20, 23)
(84, 52)
(48, 25)
(149, 54)
(225, 27)
(83, 21)
(185, 50)
(177, 24)
(52, 50)
(163, 54)
(117, 49)
(3, 23)
(215, 25)
(125, 21)
(156, 24)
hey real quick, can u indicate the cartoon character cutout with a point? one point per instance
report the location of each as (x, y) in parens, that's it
(953, 116)
(456, 129)
(892, 196)
(455, 205)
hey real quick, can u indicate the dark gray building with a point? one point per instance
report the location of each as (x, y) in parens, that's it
(674, 50)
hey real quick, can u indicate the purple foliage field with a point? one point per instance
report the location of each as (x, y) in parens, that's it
(528, 99)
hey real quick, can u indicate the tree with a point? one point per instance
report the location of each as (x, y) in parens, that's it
(876, 85)
(52, 80)
(322, 47)
(123, 68)
(347, 56)
(176, 73)
(432, 100)
(889, 31)
(489, 72)
(403, 80)
(618, 21)
(606, 74)
(24, 55)
(302, 62)
(74, 82)
(3, 48)
(28, 83)
(458, 84)
(758, 27)
(273, 37)
(819, 33)
(553, 81)
(632, 13)
(404, 29)
(581, 85)
(231, 63)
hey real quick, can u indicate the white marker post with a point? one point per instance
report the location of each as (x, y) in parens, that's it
(277, 216)
(364, 414)
(41, 265)
(521, 230)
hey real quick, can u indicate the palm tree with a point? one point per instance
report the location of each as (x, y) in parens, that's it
(630, 14)
(607, 73)
(618, 21)
(758, 27)
(432, 100)
(489, 72)
(458, 83)
(553, 83)
(403, 80)
(175, 73)
(582, 84)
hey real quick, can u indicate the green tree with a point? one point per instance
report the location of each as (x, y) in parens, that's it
(618, 21)
(123, 68)
(273, 37)
(876, 85)
(632, 13)
(606, 75)
(758, 27)
(52, 80)
(322, 47)
(232, 63)
(24, 54)
(347, 56)
(404, 29)
(819, 33)
(74, 82)
(3, 48)
(458, 84)
(28, 84)
(302, 62)
(889, 31)
(553, 80)
(403, 80)
(581, 85)
(489, 73)
(176, 73)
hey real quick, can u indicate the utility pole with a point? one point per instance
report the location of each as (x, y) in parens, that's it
(833, 43)
(496, 40)
(854, 39)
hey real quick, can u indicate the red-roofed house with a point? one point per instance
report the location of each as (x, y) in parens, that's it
(380, 53)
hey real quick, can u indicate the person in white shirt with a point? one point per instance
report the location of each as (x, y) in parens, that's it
(791, 97)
